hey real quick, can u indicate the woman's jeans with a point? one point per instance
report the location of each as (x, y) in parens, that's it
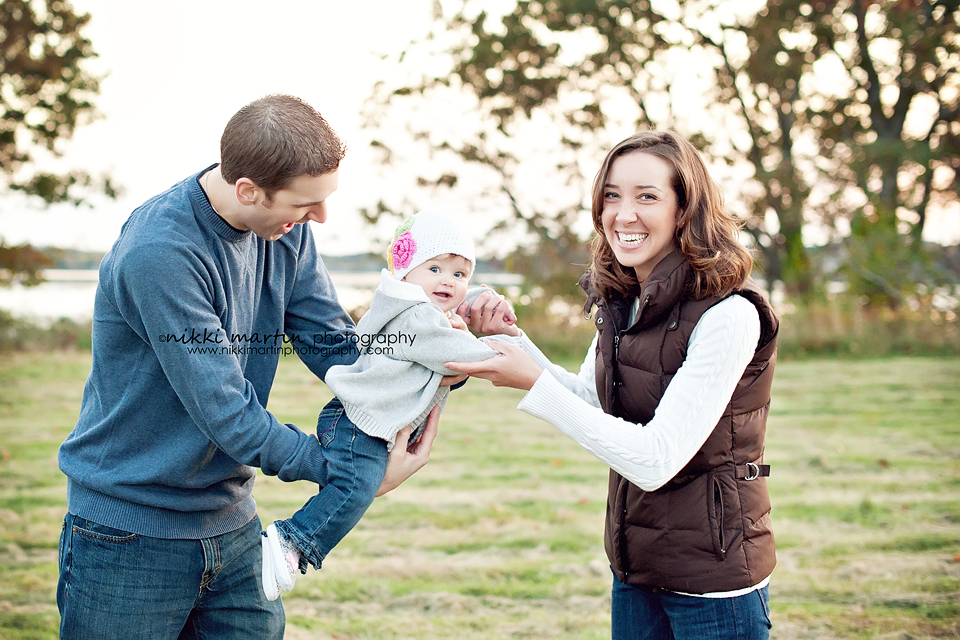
(116, 584)
(355, 466)
(640, 613)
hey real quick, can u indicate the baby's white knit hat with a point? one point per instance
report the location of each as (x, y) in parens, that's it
(426, 235)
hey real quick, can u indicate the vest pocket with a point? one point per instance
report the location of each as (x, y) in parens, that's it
(715, 516)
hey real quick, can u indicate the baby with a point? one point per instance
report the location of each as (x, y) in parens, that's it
(430, 262)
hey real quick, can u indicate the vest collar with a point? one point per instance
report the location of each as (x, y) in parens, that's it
(663, 289)
(659, 294)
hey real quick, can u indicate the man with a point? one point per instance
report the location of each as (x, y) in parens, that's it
(206, 285)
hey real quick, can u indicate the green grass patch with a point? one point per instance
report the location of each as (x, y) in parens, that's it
(500, 536)
(921, 543)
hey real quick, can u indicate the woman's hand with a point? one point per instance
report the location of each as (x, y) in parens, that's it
(490, 314)
(404, 462)
(512, 368)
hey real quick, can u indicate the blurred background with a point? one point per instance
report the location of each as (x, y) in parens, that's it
(832, 126)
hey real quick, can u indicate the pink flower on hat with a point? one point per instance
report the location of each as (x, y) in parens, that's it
(403, 249)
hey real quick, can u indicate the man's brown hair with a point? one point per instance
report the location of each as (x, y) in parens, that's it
(275, 139)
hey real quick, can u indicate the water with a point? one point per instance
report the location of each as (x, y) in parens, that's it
(69, 293)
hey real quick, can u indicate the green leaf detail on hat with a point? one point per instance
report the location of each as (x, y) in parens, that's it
(404, 227)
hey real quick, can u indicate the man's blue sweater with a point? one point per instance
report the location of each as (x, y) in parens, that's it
(189, 320)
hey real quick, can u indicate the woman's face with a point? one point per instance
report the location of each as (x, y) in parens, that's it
(639, 215)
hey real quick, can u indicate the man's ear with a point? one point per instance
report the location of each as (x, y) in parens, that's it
(248, 193)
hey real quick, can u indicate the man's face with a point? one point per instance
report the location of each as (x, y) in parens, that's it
(444, 279)
(303, 199)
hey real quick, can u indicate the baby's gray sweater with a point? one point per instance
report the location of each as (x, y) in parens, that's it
(405, 341)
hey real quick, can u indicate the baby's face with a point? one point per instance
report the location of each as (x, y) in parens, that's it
(444, 279)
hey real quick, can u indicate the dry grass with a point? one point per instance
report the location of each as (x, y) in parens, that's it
(500, 535)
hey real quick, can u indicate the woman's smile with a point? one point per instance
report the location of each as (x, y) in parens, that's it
(640, 211)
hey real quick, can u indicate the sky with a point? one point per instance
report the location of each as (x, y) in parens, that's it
(177, 71)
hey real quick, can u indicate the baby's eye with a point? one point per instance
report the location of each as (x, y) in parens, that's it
(459, 274)
(435, 269)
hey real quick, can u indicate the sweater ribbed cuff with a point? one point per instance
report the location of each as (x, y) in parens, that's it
(314, 463)
(534, 352)
(549, 401)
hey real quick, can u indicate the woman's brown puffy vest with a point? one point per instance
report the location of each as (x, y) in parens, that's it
(707, 529)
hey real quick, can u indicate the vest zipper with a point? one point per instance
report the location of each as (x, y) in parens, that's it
(622, 541)
(622, 489)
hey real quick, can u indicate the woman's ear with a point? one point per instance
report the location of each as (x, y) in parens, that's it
(248, 193)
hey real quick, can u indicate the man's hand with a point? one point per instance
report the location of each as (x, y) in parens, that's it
(404, 462)
(449, 381)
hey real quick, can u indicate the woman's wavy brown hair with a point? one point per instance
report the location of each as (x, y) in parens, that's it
(708, 237)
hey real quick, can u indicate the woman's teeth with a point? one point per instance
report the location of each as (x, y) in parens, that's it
(632, 238)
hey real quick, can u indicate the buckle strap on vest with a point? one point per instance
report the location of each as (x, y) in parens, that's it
(752, 471)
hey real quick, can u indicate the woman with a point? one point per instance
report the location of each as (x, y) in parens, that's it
(673, 396)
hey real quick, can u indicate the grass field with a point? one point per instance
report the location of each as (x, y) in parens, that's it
(500, 535)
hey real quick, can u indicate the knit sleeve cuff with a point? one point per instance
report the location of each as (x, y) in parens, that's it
(534, 352)
(549, 400)
(314, 467)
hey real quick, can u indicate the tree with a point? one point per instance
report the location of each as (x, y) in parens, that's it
(894, 137)
(795, 104)
(874, 86)
(45, 93)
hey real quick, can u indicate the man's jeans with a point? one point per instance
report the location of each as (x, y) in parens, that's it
(640, 613)
(115, 584)
(355, 466)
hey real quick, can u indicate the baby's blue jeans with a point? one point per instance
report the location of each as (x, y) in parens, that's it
(355, 464)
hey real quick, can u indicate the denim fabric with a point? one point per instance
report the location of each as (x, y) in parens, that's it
(115, 584)
(355, 464)
(640, 613)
